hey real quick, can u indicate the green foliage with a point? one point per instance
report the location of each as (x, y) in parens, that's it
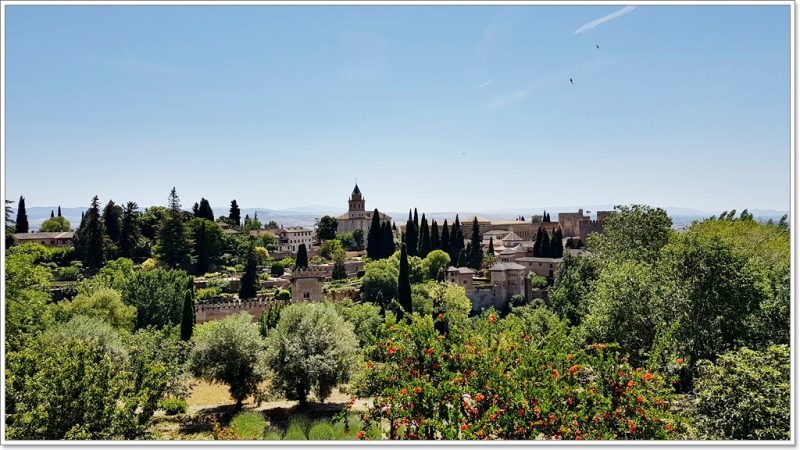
(21, 224)
(70, 273)
(366, 319)
(283, 294)
(538, 281)
(633, 232)
(326, 228)
(88, 240)
(248, 286)
(403, 283)
(104, 304)
(158, 296)
(311, 349)
(745, 395)
(82, 380)
(322, 431)
(268, 319)
(302, 258)
(27, 297)
(358, 239)
(379, 283)
(208, 244)
(497, 381)
(573, 283)
(115, 274)
(248, 425)
(175, 245)
(208, 293)
(229, 351)
(332, 250)
(435, 263)
(173, 406)
(55, 224)
(188, 313)
(235, 214)
(276, 269)
(339, 271)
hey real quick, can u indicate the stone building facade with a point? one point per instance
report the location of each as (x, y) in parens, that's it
(357, 217)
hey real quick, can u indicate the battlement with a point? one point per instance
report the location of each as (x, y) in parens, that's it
(317, 271)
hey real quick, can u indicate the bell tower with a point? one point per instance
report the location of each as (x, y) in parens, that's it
(356, 201)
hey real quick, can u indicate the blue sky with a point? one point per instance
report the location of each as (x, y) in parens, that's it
(438, 107)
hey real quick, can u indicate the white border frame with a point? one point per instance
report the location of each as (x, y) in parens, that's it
(307, 444)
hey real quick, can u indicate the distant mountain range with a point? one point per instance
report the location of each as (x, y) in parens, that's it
(306, 215)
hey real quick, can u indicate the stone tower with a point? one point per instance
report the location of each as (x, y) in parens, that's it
(356, 200)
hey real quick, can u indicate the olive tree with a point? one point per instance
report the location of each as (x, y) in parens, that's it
(312, 349)
(229, 351)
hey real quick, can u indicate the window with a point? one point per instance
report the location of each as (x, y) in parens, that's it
(306, 295)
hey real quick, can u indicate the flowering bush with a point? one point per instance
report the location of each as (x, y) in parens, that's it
(497, 380)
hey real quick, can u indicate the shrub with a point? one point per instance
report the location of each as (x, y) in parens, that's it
(283, 294)
(208, 293)
(70, 273)
(322, 431)
(104, 304)
(172, 406)
(311, 348)
(538, 281)
(294, 436)
(149, 264)
(249, 425)
(277, 269)
(495, 379)
(745, 395)
(297, 429)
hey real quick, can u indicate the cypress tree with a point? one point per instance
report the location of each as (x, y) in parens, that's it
(416, 220)
(91, 237)
(302, 257)
(394, 226)
(188, 315)
(235, 214)
(59, 210)
(129, 231)
(339, 271)
(52, 214)
(204, 211)
(174, 245)
(404, 284)
(249, 282)
(545, 249)
(457, 242)
(201, 249)
(475, 251)
(434, 236)
(388, 241)
(412, 238)
(196, 209)
(112, 218)
(445, 240)
(22, 216)
(491, 247)
(537, 245)
(554, 244)
(374, 237)
(424, 238)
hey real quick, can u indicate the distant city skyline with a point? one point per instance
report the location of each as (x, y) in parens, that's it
(443, 108)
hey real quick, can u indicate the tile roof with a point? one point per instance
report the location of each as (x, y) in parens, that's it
(506, 266)
(45, 235)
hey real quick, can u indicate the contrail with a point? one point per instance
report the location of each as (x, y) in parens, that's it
(485, 84)
(605, 19)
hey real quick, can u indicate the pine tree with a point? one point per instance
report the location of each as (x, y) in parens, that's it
(445, 240)
(491, 247)
(91, 237)
(412, 237)
(112, 217)
(302, 257)
(404, 284)
(475, 251)
(22, 216)
(235, 214)
(59, 210)
(537, 245)
(188, 315)
(174, 245)
(249, 282)
(424, 238)
(375, 237)
(434, 236)
(545, 249)
(129, 231)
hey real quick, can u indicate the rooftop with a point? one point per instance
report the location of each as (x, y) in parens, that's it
(460, 269)
(540, 259)
(45, 235)
(506, 266)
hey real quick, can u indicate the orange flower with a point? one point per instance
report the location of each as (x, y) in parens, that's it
(403, 391)
(574, 369)
(639, 399)
(359, 435)
(492, 417)
(429, 351)
(680, 360)
(479, 397)
(647, 376)
(464, 427)
(418, 390)
(441, 316)
(369, 364)
(555, 373)
(492, 319)
(631, 426)
(570, 356)
(631, 384)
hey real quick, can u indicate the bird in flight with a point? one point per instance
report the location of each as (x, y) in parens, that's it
(570, 80)
(596, 45)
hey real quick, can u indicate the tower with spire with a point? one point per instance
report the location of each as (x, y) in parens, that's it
(356, 201)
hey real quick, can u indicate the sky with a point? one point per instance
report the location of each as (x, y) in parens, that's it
(444, 108)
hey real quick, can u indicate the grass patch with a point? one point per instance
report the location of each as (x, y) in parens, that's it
(249, 425)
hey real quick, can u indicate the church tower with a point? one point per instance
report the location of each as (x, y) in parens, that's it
(356, 200)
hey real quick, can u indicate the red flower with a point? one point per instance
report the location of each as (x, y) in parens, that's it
(577, 438)
(435, 366)
(359, 435)
(521, 412)
(631, 384)
(464, 427)
(680, 360)
(429, 351)
(555, 373)
(369, 364)
(574, 369)
(479, 397)
(418, 390)
(639, 399)
(492, 417)
(647, 376)
(403, 391)
(441, 316)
